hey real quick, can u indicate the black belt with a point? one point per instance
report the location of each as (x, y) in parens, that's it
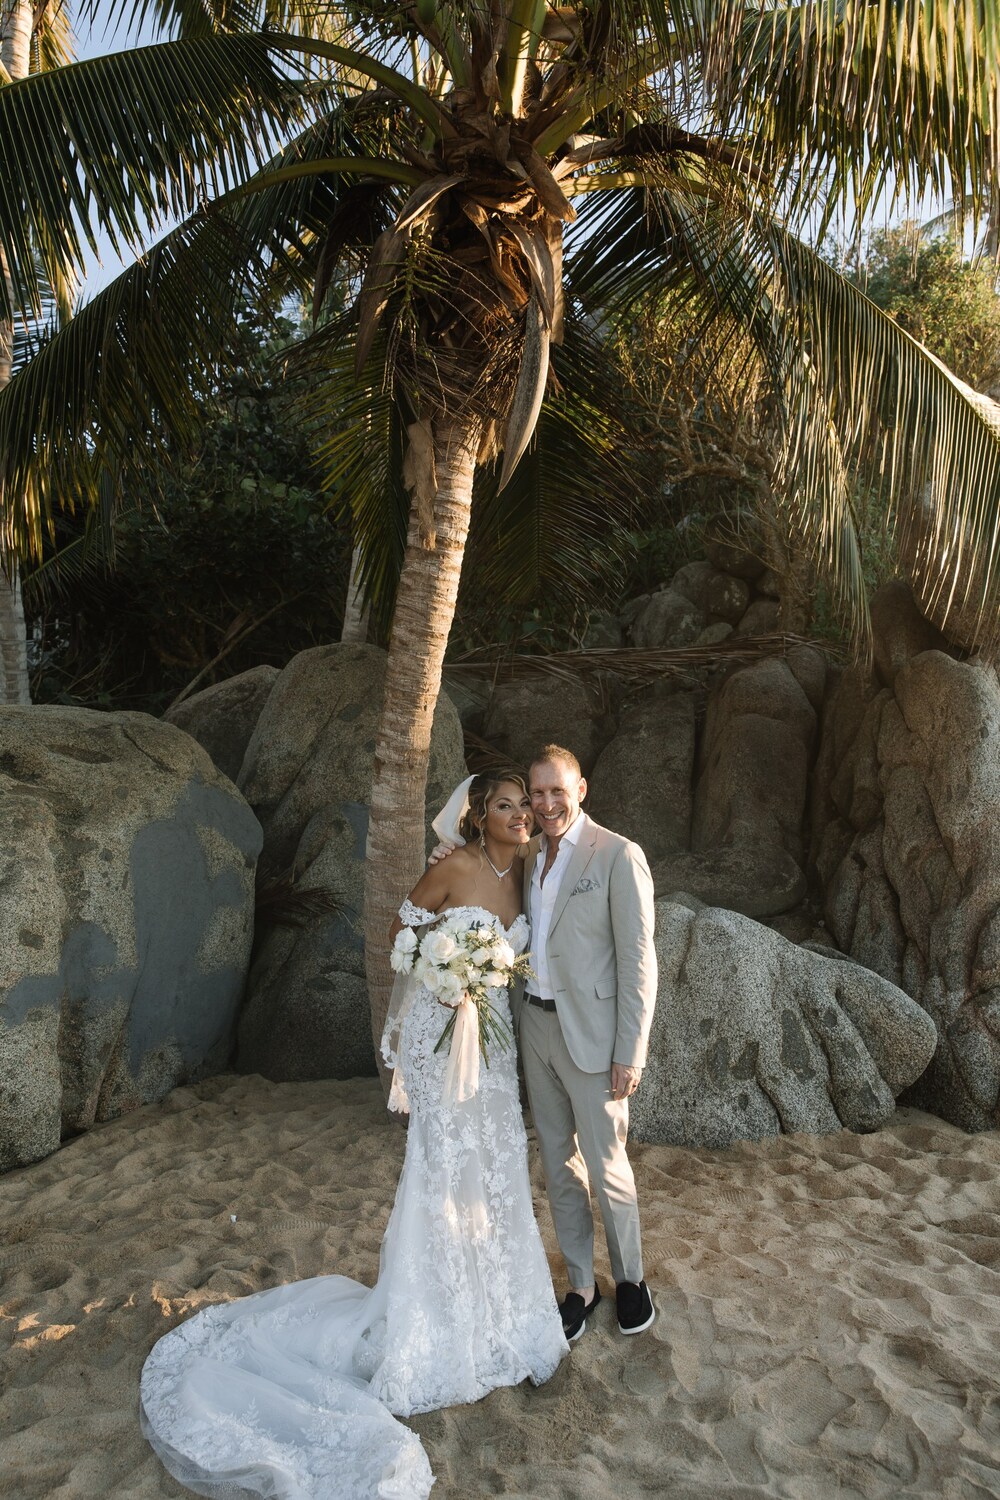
(542, 1004)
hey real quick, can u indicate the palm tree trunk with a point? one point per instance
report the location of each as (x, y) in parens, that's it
(16, 18)
(425, 607)
(355, 626)
(13, 644)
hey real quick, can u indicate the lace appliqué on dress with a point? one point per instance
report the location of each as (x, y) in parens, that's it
(291, 1392)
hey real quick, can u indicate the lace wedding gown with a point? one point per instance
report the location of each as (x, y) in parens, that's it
(290, 1393)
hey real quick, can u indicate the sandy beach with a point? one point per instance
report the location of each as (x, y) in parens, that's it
(829, 1307)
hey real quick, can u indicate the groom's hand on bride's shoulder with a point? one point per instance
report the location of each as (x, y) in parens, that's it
(441, 851)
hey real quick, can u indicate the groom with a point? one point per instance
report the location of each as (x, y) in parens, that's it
(583, 1025)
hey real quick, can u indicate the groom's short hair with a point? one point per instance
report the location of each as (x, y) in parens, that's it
(557, 753)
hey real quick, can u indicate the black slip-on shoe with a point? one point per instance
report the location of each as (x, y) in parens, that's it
(575, 1312)
(635, 1307)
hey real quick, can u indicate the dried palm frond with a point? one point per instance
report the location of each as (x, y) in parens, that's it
(281, 902)
(633, 664)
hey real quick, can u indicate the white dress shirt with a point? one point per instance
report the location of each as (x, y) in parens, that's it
(541, 901)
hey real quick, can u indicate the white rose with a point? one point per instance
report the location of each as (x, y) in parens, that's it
(494, 980)
(400, 962)
(503, 955)
(427, 974)
(438, 947)
(406, 940)
(450, 988)
(480, 956)
(485, 934)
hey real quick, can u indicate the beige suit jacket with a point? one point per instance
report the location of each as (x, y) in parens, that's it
(600, 950)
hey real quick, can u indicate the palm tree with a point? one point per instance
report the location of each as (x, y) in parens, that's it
(30, 41)
(492, 182)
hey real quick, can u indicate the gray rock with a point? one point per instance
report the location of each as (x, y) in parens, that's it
(633, 607)
(759, 880)
(603, 633)
(754, 1036)
(754, 761)
(899, 631)
(727, 598)
(668, 620)
(769, 584)
(523, 716)
(734, 544)
(714, 635)
(223, 717)
(763, 617)
(126, 872)
(808, 666)
(641, 784)
(907, 845)
(693, 580)
(470, 695)
(308, 774)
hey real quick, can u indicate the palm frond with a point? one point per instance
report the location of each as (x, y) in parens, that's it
(559, 526)
(103, 395)
(53, 42)
(635, 667)
(852, 392)
(118, 143)
(931, 444)
(359, 421)
(901, 98)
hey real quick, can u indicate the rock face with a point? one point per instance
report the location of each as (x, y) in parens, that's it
(753, 1036)
(523, 716)
(899, 631)
(223, 717)
(126, 871)
(667, 620)
(307, 774)
(746, 849)
(906, 844)
(641, 784)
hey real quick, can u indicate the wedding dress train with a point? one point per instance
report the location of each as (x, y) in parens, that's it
(293, 1393)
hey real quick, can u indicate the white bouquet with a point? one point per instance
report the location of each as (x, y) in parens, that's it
(457, 963)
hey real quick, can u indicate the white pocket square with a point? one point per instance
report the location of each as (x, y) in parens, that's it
(586, 883)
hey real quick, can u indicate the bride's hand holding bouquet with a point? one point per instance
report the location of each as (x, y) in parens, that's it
(460, 965)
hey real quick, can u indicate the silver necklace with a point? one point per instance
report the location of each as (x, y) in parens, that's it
(498, 873)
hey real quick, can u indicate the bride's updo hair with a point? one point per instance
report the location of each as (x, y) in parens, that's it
(481, 793)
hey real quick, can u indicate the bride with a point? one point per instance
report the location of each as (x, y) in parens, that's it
(293, 1393)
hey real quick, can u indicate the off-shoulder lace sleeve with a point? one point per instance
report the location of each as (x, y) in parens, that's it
(415, 916)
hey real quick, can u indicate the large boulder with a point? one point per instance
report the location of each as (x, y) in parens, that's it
(899, 631)
(126, 872)
(753, 1036)
(759, 881)
(223, 717)
(523, 716)
(760, 728)
(308, 775)
(734, 544)
(746, 848)
(667, 620)
(641, 784)
(906, 843)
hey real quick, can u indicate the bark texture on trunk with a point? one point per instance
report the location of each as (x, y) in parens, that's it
(16, 18)
(355, 614)
(13, 644)
(425, 607)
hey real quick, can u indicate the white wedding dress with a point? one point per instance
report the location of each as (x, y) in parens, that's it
(290, 1393)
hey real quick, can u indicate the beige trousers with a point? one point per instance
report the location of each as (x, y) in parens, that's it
(581, 1135)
